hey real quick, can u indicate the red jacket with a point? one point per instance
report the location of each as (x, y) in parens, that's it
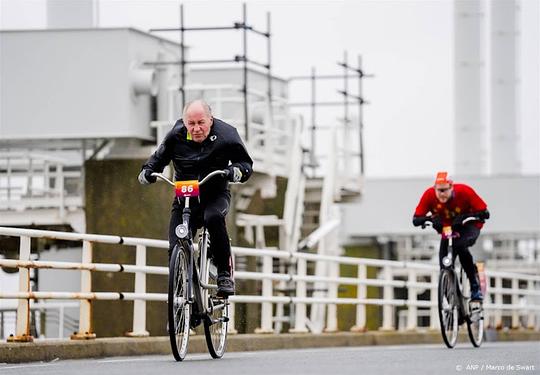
(463, 200)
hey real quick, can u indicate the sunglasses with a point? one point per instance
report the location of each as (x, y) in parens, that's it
(443, 190)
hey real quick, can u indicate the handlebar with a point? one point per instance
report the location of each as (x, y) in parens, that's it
(473, 217)
(224, 173)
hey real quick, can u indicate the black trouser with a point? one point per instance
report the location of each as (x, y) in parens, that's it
(467, 237)
(211, 212)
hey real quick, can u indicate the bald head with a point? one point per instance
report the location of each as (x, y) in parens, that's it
(198, 119)
(197, 104)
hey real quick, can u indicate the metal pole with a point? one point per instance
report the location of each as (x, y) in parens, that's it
(85, 309)
(269, 52)
(22, 333)
(313, 114)
(345, 92)
(182, 59)
(361, 115)
(245, 72)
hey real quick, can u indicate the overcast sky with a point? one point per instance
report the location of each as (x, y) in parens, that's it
(407, 45)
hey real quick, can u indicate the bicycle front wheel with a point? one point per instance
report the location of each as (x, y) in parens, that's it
(475, 323)
(448, 309)
(216, 323)
(178, 306)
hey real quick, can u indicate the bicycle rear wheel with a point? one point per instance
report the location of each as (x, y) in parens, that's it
(448, 309)
(178, 307)
(217, 322)
(475, 323)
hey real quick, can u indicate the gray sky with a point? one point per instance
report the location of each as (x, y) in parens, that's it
(408, 45)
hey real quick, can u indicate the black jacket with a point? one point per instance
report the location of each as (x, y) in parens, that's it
(193, 161)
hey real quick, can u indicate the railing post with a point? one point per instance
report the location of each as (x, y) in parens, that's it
(388, 295)
(433, 297)
(412, 313)
(266, 307)
(85, 310)
(498, 301)
(139, 306)
(331, 316)
(22, 333)
(300, 311)
(361, 293)
(230, 327)
(531, 324)
(515, 301)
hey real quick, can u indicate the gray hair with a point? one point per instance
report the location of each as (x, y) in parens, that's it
(204, 104)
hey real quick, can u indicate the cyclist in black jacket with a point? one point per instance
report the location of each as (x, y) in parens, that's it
(197, 145)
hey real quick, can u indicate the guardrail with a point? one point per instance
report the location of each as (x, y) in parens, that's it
(521, 298)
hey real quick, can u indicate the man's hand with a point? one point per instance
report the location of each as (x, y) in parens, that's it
(419, 220)
(146, 178)
(436, 223)
(235, 174)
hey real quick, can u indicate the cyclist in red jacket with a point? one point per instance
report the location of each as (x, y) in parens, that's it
(449, 204)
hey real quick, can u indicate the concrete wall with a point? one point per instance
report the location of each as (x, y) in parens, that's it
(117, 204)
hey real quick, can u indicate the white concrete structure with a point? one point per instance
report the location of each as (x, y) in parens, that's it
(470, 122)
(79, 83)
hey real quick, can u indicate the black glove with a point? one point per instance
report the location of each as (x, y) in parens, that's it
(146, 178)
(235, 173)
(458, 219)
(483, 215)
(419, 220)
(436, 222)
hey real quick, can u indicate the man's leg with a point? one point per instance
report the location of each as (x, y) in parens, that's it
(468, 236)
(214, 219)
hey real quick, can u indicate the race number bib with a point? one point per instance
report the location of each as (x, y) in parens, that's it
(187, 188)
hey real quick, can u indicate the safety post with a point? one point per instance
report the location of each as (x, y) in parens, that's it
(22, 333)
(139, 306)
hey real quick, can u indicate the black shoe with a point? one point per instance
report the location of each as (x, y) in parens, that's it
(476, 294)
(225, 285)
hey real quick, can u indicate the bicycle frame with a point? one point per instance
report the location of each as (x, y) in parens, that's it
(185, 239)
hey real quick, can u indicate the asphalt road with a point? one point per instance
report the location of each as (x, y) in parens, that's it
(491, 358)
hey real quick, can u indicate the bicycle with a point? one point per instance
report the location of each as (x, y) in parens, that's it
(454, 303)
(192, 292)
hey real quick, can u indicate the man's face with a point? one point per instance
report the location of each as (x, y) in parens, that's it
(443, 192)
(197, 122)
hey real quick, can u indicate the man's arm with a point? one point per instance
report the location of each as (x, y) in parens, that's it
(157, 161)
(241, 166)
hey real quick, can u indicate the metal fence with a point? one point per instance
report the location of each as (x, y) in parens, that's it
(512, 300)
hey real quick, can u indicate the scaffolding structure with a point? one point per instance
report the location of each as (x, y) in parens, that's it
(242, 58)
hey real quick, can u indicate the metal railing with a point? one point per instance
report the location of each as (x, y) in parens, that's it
(521, 299)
